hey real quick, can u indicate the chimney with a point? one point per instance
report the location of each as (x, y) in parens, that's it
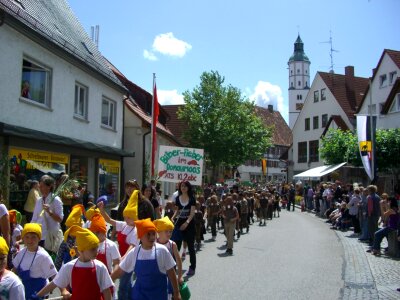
(349, 82)
(270, 108)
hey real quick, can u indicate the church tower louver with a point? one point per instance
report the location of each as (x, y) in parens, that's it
(299, 80)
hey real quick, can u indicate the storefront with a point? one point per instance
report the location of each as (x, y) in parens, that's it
(109, 180)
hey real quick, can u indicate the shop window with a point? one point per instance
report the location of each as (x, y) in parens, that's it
(316, 96)
(315, 122)
(307, 124)
(109, 179)
(323, 95)
(314, 155)
(108, 113)
(324, 119)
(81, 101)
(302, 152)
(35, 82)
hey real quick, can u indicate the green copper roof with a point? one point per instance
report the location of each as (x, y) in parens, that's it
(298, 54)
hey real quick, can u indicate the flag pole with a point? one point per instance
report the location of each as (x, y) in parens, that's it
(152, 130)
(371, 124)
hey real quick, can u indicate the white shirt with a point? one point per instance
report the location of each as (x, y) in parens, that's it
(174, 196)
(112, 252)
(3, 210)
(55, 206)
(11, 287)
(63, 278)
(16, 233)
(129, 231)
(42, 267)
(165, 260)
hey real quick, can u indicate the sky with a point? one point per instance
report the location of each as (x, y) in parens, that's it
(247, 42)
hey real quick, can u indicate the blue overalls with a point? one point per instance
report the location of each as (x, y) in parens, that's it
(32, 285)
(150, 282)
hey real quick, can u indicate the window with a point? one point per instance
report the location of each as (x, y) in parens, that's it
(291, 72)
(316, 96)
(392, 77)
(314, 155)
(299, 83)
(299, 97)
(298, 71)
(323, 96)
(307, 124)
(315, 122)
(35, 82)
(324, 120)
(382, 80)
(396, 104)
(108, 113)
(292, 85)
(81, 101)
(302, 152)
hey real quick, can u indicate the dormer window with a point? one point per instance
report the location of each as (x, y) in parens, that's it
(383, 80)
(392, 77)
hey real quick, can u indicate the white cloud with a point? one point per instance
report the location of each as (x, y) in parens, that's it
(266, 93)
(167, 44)
(149, 55)
(166, 97)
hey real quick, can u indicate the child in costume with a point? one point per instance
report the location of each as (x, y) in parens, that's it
(164, 228)
(33, 264)
(152, 263)
(87, 277)
(126, 236)
(15, 229)
(11, 286)
(74, 218)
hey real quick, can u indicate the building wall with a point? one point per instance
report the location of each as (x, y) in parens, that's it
(378, 94)
(59, 118)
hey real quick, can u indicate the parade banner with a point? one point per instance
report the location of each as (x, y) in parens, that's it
(365, 135)
(176, 164)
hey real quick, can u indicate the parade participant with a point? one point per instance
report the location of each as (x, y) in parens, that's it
(236, 202)
(264, 208)
(4, 221)
(164, 228)
(184, 214)
(16, 230)
(11, 286)
(152, 263)
(126, 236)
(199, 225)
(150, 194)
(87, 277)
(230, 215)
(74, 218)
(276, 208)
(33, 264)
(169, 209)
(244, 210)
(213, 211)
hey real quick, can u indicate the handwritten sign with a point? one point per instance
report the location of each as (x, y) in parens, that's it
(176, 164)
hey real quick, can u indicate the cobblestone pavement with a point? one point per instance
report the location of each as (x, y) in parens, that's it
(367, 276)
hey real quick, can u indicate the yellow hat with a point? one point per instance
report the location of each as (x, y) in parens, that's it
(131, 209)
(91, 212)
(164, 224)
(85, 239)
(3, 246)
(32, 228)
(98, 224)
(144, 226)
(75, 216)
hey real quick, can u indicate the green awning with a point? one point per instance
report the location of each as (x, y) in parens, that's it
(12, 130)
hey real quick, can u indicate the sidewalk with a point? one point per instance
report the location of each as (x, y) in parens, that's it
(367, 276)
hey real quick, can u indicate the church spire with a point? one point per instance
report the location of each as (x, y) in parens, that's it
(298, 54)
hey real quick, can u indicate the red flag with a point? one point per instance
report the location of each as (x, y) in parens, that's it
(154, 128)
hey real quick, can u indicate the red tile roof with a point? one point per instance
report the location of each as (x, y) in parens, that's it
(394, 55)
(175, 125)
(282, 135)
(348, 94)
(339, 122)
(392, 96)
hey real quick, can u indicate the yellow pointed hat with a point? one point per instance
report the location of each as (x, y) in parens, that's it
(75, 216)
(3, 246)
(84, 238)
(164, 224)
(131, 209)
(91, 212)
(32, 228)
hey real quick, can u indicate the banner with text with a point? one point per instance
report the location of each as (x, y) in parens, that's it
(176, 164)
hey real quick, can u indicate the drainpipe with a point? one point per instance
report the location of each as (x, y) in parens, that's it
(144, 156)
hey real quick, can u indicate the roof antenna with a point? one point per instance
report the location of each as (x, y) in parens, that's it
(331, 51)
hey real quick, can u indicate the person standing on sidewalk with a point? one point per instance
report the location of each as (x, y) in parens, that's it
(374, 212)
(230, 215)
(353, 210)
(291, 197)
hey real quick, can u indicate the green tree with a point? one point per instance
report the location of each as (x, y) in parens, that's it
(223, 123)
(340, 146)
(388, 150)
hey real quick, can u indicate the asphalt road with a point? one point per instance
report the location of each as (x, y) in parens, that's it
(295, 256)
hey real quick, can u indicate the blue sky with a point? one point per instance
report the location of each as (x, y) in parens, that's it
(247, 42)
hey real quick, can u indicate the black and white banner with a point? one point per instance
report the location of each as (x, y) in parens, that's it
(365, 132)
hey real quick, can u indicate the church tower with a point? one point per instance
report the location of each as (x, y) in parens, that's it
(299, 80)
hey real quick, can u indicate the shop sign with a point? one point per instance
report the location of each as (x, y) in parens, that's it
(176, 164)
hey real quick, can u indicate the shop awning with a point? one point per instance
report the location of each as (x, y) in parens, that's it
(12, 130)
(318, 172)
(46, 167)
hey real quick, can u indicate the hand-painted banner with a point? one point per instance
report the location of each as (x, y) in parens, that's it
(365, 142)
(176, 164)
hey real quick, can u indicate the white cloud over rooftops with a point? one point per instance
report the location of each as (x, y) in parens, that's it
(167, 44)
(168, 97)
(266, 93)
